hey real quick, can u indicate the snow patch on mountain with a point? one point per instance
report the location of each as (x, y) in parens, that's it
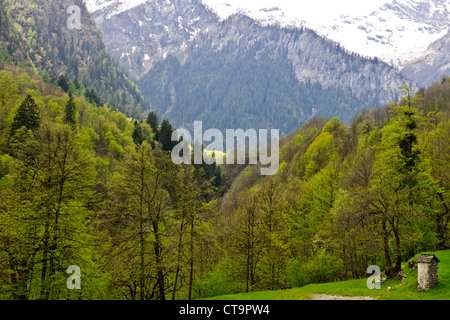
(271, 14)
(114, 6)
(396, 31)
(294, 11)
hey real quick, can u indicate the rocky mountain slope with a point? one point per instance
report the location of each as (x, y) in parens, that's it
(395, 31)
(140, 33)
(191, 64)
(433, 65)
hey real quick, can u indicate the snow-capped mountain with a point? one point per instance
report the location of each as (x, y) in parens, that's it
(397, 33)
(140, 33)
(112, 6)
(195, 64)
(433, 65)
(410, 34)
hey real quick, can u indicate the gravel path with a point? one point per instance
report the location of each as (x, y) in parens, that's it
(328, 297)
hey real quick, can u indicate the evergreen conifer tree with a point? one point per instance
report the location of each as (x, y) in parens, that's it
(165, 136)
(137, 134)
(153, 121)
(63, 82)
(70, 111)
(27, 115)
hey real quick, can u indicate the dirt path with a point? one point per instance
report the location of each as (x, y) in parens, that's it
(329, 297)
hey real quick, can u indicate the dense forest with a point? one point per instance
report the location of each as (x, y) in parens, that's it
(83, 185)
(245, 87)
(374, 193)
(34, 34)
(79, 185)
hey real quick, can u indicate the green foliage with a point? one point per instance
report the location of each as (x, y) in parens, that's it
(92, 97)
(101, 192)
(153, 122)
(321, 269)
(54, 200)
(70, 111)
(47, 187)
(27, 116)
(235, 87)
(63, 82)
(32, 35)
(351, 289)
(137, 133)
(74, 190)
(372, 194)
(218, 282)
(165, 136)
(5, 162)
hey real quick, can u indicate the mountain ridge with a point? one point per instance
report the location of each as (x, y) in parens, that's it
(398, 32)
(433, 65)
(316, 73)
(36, 35)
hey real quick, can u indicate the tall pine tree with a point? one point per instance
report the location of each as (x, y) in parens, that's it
(137, 133)
(153, 121)
(27, 116)
(63, 82)
(70, 111)
(166, 136)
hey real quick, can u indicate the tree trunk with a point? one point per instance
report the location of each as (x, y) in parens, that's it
(159, 273)
(191, 262)
(177, 272)
(142, 262)
(441, 224)
(45, 251)
(157, 247)
(54, 245)
(387, 256)
(398, 252)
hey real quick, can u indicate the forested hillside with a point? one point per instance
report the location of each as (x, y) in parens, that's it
(36, 34)
(374, 193)
(82, 185)
(239, 74)
(254, 88)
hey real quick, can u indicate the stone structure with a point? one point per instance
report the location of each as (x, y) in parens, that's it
(427, 271)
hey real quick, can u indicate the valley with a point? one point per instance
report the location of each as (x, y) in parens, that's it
(102, 198)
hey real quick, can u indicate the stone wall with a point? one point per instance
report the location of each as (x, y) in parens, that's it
(427, 275)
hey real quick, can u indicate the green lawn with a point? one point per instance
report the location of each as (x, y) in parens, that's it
(399, 291)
